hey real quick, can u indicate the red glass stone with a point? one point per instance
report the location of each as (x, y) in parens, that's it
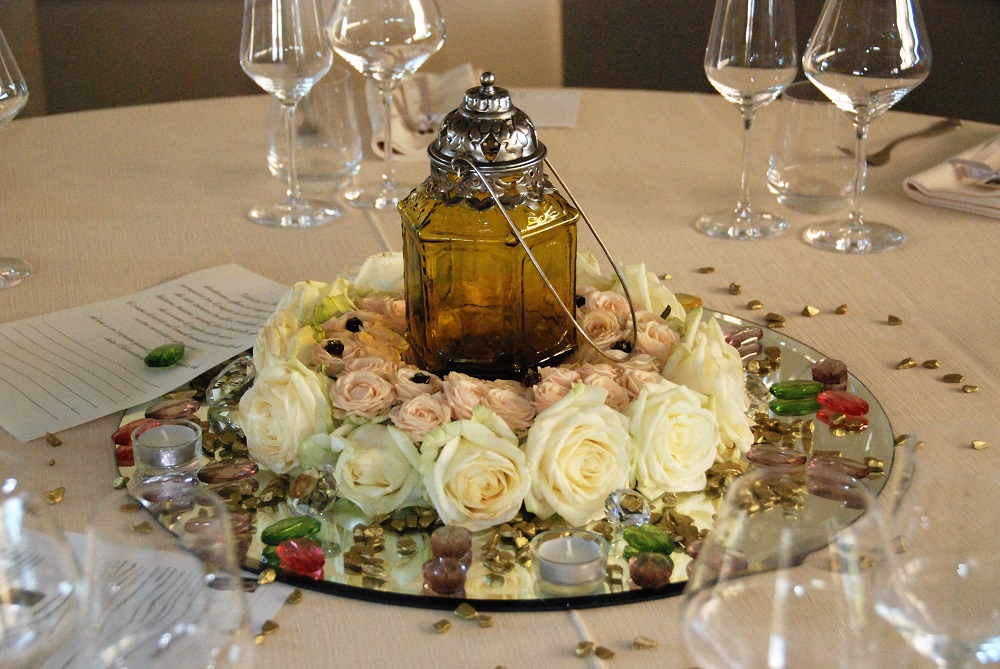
(650, 570)
(123, 435)
(445, 576)
(303, 557)
(839, 419)
(124, 455)
(846, 403)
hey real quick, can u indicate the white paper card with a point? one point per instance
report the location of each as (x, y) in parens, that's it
(66, 368)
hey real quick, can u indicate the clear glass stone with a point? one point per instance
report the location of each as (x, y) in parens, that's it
(625, 507)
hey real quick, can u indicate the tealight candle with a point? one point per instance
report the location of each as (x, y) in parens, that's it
(569, 561)
(167, 451)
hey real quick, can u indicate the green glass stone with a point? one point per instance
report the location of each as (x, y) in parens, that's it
(269, 554)
(165, 356)
(649, 539)
(797, 389)
(295, 527)
(794, 407)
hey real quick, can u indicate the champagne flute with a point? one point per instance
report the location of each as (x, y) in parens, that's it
(283, 50)
(13, 97)
(750, 59)
(385, 41)
(865, 55)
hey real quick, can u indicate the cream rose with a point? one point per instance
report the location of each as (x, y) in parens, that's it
(588, 272)
(362, 393)
(464, 393)
(578, 452)
(647, 292)
(676, 438)
(380, 273)
(286, 404)
(377, 468)
(420, 414)
(705, 362)
(473, 471)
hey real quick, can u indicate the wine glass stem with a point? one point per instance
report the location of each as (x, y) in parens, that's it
(857, 221)
(743, 206)
(388, 177)
(293, 195)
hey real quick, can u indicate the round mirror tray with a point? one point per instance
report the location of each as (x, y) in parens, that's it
(381, 559)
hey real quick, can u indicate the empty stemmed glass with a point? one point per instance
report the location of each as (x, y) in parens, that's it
(865, 55)
(13, 97)
(283, 50)
(385, 41)
(750, 59)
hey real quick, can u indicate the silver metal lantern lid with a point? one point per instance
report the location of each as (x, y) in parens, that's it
(488, 130)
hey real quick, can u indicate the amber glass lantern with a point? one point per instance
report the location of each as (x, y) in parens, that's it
(475, 301)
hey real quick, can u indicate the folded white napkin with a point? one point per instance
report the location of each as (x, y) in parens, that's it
(968, 182)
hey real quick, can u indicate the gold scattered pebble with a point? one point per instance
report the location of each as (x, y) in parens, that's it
(774, 320)
(754, 305)
(466, 611)
(120, 483)
(267, 576)
(895, 320)
(268, 627)
(294, 597)
(52, 463)
(145, 527)
(666, 277)
(809, 310)
(735, 289)
(953, 378)
(130, 507)
(53, 439)
(930, 364)
(584, 648)
(55, 496)
(642, 643)
(259, 639)
(842, 309)
(604, 653)
(979, 444)
(705, 270)
(442, 626)
(906, 363)
(900, 440)
(968, 388)
(484, 620)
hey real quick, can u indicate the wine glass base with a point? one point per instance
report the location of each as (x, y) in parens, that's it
(13, 271)
(305, 214)
(373, 195)
(840, 237)
(726, 225)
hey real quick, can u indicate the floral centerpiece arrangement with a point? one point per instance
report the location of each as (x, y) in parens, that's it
(334, 387)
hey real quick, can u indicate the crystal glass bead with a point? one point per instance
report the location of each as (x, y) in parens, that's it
(757, 392)
(224, 417)
(313, 491)
(625, 507)
(232, 381)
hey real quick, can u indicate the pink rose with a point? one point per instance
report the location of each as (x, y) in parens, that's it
(420, 414)
(609, 301)
(602, 326)
(464, 393)
(511, 406)
(407, 388)
(632, 380)
(656, 340)
(617, 398)
(362, 393)
(384, 368)
(332, 365)
(555, 384)
(338, 325)
(642, 362)
(392, 309)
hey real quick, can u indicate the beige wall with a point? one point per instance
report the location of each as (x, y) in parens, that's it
(19, 24)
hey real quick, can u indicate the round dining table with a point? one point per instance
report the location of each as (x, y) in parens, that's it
(105, 203)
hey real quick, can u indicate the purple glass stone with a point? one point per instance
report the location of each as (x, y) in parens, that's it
(650, 570)
(172, 409)
(453, 542)
(843, 489)
(831, 372)
(227, 471)
(771, 455)
(833, 467)
(445, 576)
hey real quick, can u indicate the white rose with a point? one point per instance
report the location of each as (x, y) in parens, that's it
(578, 451)
(380, 273)
(464, 393)
(473, 471)
(705, 362)
(420, 414)
(588, 272)
(647, 292)
(286, 405)
(305, 297)
(676, 439)
(362, 393)
(377, 468)
(283, 337)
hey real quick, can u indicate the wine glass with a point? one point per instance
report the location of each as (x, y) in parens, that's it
(865, 55)
(784, 577)
(13, 97)
(750, 59)
(39, 608)
(163, 589)
(943, 595)
(385, 41)
(283, 50)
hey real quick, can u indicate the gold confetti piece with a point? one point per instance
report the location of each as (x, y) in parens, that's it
(705, 270)
(466, 611)
(294, 597)
(642, 643)
(900, 440)
(53, 439)
(55, 496)
(967, 388)
(143, 528)
(979, 444)
(754, 305)
(735, 289)
(604, 653)
(906, 363)
(267, 576)
(930, 364)
(809, 310)
(442, 626)
(484, 620)
(584, 648)
(841, 310)
(268, 627)
(953, 378)
(895, 320)
(259, 639)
